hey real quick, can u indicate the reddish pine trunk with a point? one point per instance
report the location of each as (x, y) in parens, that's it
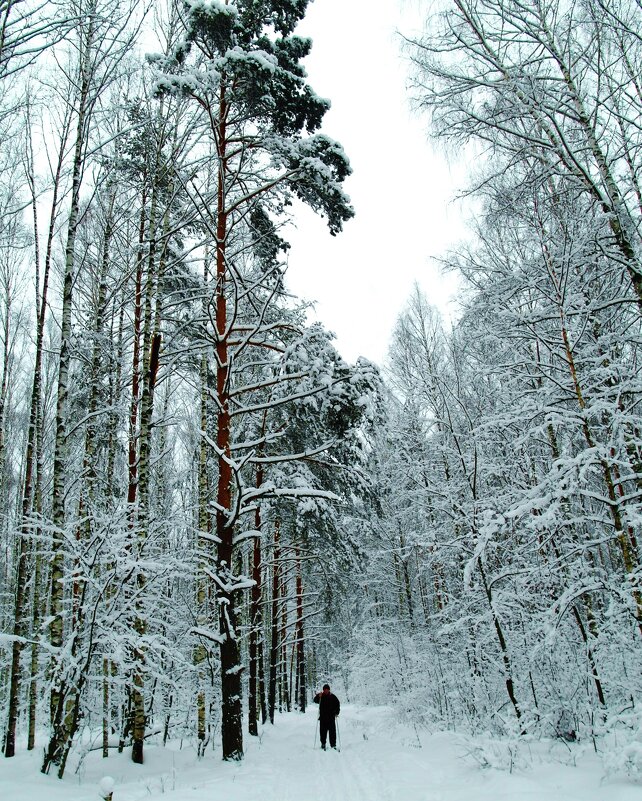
(231, 688)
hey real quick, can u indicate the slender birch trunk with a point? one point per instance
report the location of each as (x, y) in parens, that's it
(33, 463)
(624, 534)
(59, 691)
(151, 354)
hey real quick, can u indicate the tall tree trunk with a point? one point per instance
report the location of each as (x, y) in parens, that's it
(625, 539)
(152, 344)
(32, 474)
(275, 650)
(132, 452)
(256, 623)
(140, 625)
(204, 544)
(403, 559)
(285, 682)
(115, 375)
(61, 706)
(508, 671)
(262, 689)
(231, 687)
(300, 641)
(91, 435)
(555, 450)
(624, 535)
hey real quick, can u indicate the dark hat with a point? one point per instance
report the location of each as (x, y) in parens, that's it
(326, 686)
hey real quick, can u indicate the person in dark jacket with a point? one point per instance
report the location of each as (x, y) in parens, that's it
(329, 708)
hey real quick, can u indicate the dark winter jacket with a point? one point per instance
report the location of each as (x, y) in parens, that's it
(329, 706)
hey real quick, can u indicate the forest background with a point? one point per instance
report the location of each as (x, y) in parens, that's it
(204, 507)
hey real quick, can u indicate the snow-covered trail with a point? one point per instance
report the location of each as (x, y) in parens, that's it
(379, 761)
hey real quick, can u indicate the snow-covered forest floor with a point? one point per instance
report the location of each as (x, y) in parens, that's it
(380, 760)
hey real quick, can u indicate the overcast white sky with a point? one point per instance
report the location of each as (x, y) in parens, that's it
(401, 188)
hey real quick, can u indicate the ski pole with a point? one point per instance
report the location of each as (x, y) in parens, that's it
(315, 733)
(336, 723)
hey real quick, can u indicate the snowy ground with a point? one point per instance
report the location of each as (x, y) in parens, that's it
(379, 761)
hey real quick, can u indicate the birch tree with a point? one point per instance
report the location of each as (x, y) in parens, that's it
(529, 81)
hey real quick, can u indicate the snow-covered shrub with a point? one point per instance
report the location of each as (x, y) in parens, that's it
(489, 751)
(622, 746)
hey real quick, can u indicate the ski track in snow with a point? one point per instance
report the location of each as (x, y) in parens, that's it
(380, 760)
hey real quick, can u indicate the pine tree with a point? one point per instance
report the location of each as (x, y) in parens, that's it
(240, 62)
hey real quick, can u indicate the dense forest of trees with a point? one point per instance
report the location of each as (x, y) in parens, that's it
(203, 506)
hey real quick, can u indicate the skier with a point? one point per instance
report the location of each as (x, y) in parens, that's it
(329, 708)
